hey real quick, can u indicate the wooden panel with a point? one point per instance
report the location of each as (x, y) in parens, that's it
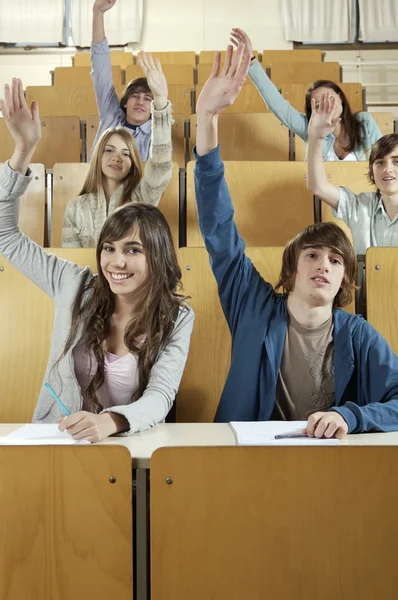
(385, 121)
(175, 74)
(271, 200)
(65, 100)
(279, 56)
(176, 58)
(81, 75)
(210, 347)
(66, 531)
(177, 136)
(204, 71)
(68, 181)
(262, 525)
(180, 98)
(255, 136)
(207, 56)
(32, 207)
(248, 101)
(27, 325)
(381, 292)
(82, 59)
(60, 141)
(302, 72)
(295, 94)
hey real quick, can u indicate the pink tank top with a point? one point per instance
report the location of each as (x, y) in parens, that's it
(121, 376)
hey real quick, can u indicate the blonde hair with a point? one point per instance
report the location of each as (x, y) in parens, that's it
(94, 180)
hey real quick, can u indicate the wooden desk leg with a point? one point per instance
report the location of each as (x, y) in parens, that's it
(142, 575)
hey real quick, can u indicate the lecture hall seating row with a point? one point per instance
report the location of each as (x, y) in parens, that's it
(251, 136)
(210, 343)
(271, 200)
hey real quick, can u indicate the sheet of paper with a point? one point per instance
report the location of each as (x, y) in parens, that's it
(262, 433)
(35, 434)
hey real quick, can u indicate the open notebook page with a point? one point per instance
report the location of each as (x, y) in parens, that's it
(42, 434)
(262, 433)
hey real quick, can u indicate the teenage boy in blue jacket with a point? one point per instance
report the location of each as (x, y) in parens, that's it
(295, 355)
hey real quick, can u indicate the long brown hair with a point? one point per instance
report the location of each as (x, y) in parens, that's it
(157, 297)
(316, 236)
(94, 179)
(349, 121)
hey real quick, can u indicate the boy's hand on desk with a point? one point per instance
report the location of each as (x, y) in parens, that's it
(88, 426)
(327, 425)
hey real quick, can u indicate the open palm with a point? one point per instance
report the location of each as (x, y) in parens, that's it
(103, 5)
(323, 122)
(153, 72)
(221, 90)
(22, 121)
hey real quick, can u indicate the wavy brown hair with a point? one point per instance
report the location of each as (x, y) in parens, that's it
(349, 121)
(95, 177)
(157, 297)
(317, 236)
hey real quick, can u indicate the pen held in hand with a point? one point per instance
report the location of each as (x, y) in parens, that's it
(57, 399)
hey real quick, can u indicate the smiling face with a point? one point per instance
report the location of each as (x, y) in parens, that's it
(319, 275)
(138, 108)
(124, 263)
(385, 173)
(116, 160)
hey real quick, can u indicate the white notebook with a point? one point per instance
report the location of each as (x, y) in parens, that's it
(262, 433)
(35, 434)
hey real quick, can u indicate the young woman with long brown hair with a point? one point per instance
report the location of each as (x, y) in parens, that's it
(120, 338)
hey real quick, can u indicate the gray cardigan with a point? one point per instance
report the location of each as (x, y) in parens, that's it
(62, 280)
(297, 121)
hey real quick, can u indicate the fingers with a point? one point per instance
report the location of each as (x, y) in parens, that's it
(326, 425)
(35, 111)
(72, 420)
(216, 65)
(312, 423)
(244, 68)
(21, 95)
(146, 62)
(237, 59)
(228, 61)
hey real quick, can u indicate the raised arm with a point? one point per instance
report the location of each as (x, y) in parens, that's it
(322, 123)
(23, 123)
(99, 9)
(281, 108)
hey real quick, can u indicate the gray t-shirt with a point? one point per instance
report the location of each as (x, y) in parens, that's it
(306, 375)
(367, 219)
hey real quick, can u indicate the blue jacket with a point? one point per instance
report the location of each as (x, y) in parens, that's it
(366, 369)
(297, 121)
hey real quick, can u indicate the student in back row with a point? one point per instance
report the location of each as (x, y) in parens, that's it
(371, 216)
(351, 139)
(295, 355)
(120, 338)
(115, 176)
(143, 100)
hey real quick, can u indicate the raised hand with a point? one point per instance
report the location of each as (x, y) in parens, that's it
(238, 36)
(221, 90)
(322, 121)
(103, 5)
(155, 77)
(22, 122)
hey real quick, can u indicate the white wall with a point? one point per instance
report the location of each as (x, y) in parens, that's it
(205, 25)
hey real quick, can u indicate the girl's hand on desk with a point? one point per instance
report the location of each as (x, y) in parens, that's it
(88, 426)
(326, 425)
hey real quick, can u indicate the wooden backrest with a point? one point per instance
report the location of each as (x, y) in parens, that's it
(68, 180)
(176, 58)
(33, 206)
(284, 56)
(381, 292)
(175, 74)
(27, 324)
(300, 72)
(204, 71)
(271, 201)
(385, 121)
(52, 505)
(295, 94)
(82, 59)
(177, 136)
(81, 75)
(255, 136)
(63, 100)
(209, 354)
(248, 101)
(60, 141)
(250, 522)
(207, 56)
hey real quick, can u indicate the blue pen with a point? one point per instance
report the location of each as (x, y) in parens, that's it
(57, 400)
